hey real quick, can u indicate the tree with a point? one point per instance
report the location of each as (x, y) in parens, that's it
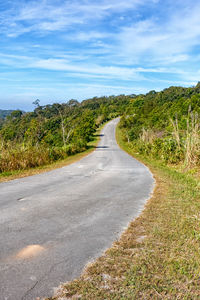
(36, 103)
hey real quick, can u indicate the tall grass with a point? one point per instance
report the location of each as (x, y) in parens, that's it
(176, 131)
(192, 140)
(21, 157)
(178, 145)
(147, 135)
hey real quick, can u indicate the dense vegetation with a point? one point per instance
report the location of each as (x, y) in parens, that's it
(165, 125)
(53, 132)
(162, 124)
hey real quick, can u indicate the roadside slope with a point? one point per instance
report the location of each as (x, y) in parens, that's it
(7, 176)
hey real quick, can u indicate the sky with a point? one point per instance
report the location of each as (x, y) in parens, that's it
(55, 50)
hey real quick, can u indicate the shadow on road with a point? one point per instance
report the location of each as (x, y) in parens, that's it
(102, 147)
(100, 135)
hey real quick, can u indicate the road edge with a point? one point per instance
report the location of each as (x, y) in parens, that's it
(85, 276)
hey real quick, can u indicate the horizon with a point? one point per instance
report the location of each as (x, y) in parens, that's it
(85, 99)
(54, 50)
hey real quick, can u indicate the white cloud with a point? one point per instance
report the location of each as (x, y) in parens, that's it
(44, 16)
(90, 35)
(69, 65)
(162, 41)
(102, 41)
(66, 65)
(104, 71)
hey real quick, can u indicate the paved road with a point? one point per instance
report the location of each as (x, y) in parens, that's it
(52, 224)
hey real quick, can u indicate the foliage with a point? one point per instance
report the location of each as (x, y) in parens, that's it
(53, 132)
(162, 124)
(165, 125)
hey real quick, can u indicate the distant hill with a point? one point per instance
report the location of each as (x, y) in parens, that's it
(5, 113)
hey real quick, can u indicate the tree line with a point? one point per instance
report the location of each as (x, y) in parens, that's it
(164, 125)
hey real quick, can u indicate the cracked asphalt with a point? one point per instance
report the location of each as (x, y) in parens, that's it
(53, 224)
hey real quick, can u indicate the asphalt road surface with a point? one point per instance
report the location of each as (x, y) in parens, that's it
(53, 224)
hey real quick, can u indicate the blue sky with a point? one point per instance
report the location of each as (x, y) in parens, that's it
(58, 50)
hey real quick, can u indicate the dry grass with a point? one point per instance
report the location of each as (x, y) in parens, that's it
(192, 140)
(147, 135)
(176, 131)
(158, 256)
(10, 175)
(6, 176)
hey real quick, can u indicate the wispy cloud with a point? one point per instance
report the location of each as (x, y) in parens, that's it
(44, 16)
(99, 46)
(165, 41)
(60, 64)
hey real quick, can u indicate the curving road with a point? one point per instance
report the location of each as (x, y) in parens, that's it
(52, 224)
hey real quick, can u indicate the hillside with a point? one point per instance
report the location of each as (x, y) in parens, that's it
(165, 124)
(54, 132)
(4, 113)
(162, 124)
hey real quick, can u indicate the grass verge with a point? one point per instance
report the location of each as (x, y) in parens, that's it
(6, 176)
(158, 256)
